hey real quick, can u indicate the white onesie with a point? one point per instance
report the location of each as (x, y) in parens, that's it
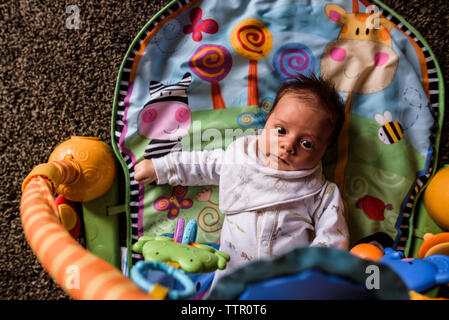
(267, 212)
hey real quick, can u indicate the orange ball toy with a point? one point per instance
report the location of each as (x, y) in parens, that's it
(436, 198)
(96, 163)
(367, 251)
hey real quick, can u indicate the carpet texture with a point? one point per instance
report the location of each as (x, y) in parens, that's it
(57, 82)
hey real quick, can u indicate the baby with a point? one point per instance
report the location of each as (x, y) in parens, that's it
(271, 186)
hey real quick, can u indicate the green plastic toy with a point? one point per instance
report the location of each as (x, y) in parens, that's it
(192, 258)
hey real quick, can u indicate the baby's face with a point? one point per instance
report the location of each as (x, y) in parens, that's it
(296, 134)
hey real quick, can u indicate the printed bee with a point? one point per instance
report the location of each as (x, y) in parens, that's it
(391, 131)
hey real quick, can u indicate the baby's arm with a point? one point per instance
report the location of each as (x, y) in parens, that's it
(331, 229)
(182, 168)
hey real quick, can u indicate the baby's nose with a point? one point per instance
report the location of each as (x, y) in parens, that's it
(288, 145)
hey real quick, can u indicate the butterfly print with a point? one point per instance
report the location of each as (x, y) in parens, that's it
(174, 203)
(199, 25)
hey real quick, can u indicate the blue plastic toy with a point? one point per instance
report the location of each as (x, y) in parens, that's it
(419, 275)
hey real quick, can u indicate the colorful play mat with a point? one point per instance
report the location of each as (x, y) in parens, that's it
(202, 73)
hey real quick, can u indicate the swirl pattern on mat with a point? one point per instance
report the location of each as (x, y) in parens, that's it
(293, 59)
(209, 220)
(211, 62)
(252, 39)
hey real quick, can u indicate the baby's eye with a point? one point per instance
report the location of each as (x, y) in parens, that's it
(280, 130)
(306, 144)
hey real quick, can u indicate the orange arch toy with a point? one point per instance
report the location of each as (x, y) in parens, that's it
(81, 274)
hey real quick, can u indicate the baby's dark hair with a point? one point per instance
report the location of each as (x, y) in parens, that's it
(313, 88)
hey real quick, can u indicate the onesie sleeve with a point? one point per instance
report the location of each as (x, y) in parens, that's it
(331, 229)
(193, 168)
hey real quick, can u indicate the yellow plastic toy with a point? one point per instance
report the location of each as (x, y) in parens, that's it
(436, 198)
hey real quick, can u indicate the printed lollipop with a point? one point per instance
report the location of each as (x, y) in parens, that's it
(293, 59)
(212, 63)
(252, 40)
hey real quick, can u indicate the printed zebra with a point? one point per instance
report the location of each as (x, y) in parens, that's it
(165, 118)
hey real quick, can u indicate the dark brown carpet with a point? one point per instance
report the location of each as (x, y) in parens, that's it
(56, 82)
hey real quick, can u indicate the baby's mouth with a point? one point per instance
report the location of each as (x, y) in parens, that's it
(282, 161)
(279, 160)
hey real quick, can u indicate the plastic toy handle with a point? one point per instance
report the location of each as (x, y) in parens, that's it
(190, 232)
(179, 230)
(78, 272)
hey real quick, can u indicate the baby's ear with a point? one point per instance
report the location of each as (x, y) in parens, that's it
(332, 141)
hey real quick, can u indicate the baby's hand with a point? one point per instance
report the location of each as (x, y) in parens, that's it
(144, 172)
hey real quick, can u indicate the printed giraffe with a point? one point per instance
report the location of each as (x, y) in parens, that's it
(360, 61)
